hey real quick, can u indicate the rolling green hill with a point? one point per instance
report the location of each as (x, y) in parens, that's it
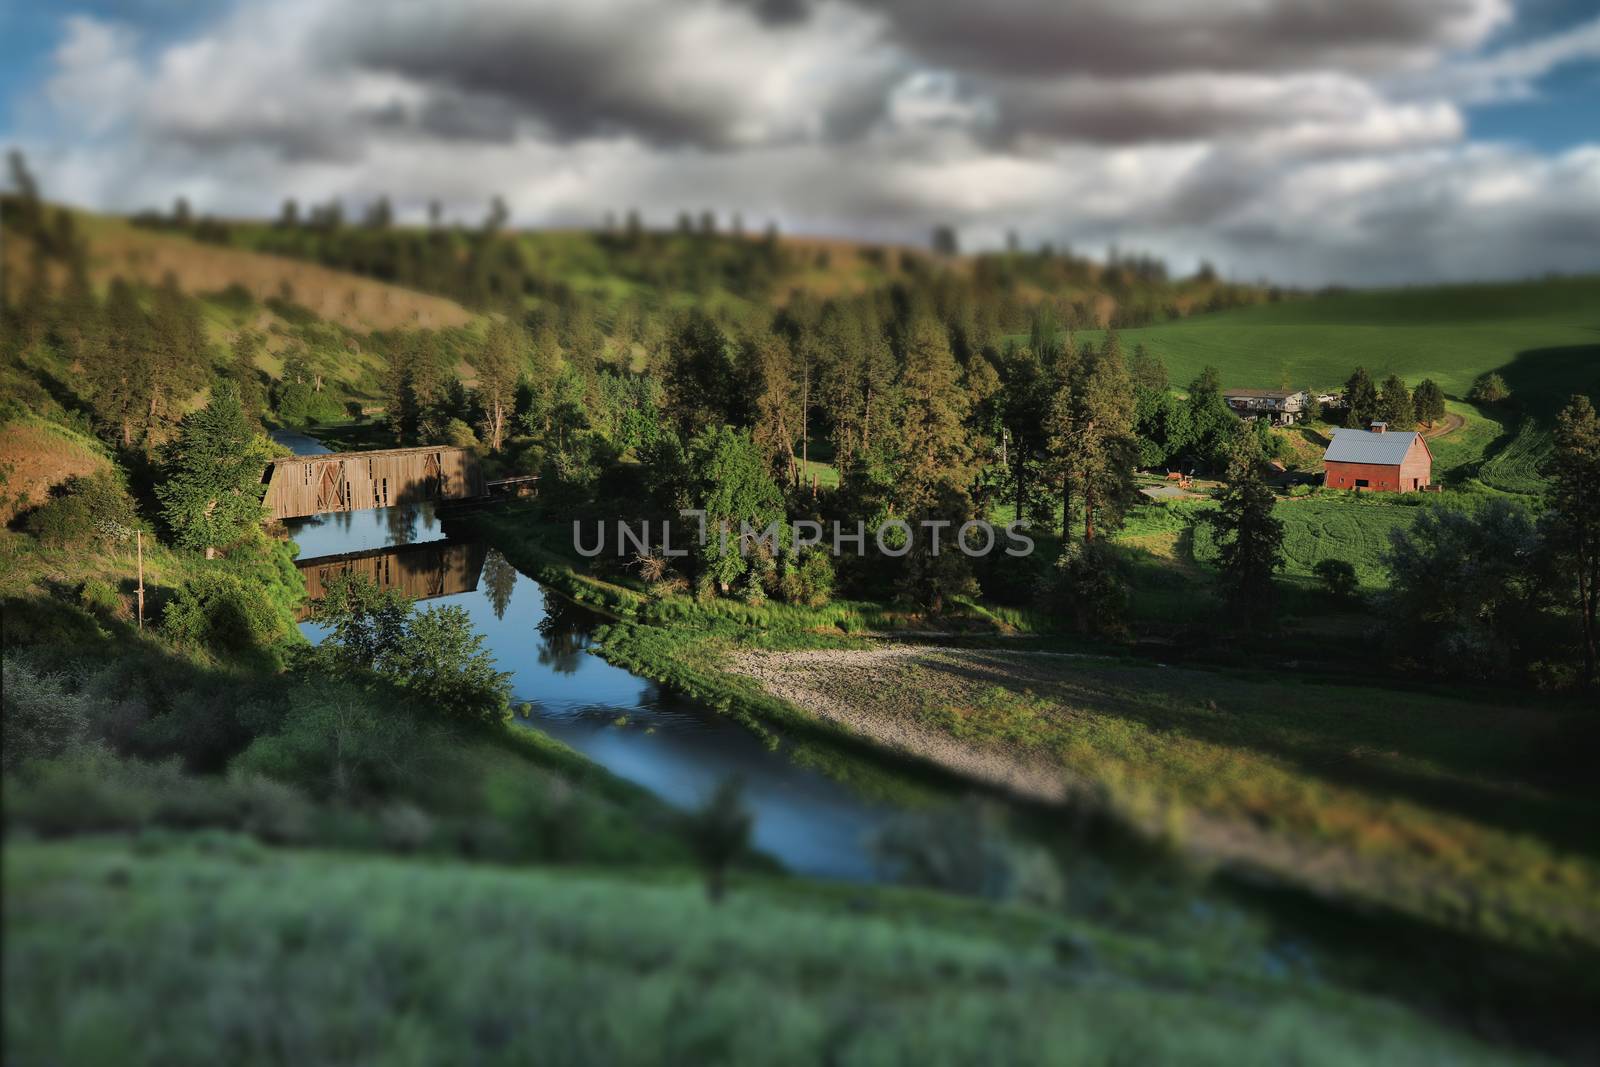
(1543, 336)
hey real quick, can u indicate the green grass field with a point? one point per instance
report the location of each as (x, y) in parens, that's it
(1543, 336)
(217, 950)
(1326, 526)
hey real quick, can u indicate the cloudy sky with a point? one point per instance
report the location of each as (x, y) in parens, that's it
(1309, 141)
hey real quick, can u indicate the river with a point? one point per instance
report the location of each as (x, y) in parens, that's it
(677, 748)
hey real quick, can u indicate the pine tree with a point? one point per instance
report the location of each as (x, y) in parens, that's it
(1146, 370)
(1212, 424)
(211, 488)
(1427, 402)
(700, 376)
(777, 401)
(1360, 399)
(1574, 501)
(119, 367)
(1024, 403)
(1249, 543)
(1091, 436)
(1394, 404)
(933, 443)
(252, 396)
(499, 362)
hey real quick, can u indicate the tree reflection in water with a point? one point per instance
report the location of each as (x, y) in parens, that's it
(565, 630)
(500, 581)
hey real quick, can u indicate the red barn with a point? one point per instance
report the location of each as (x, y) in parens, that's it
(1378, 460)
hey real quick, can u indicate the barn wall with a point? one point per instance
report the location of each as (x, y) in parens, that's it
(1418, 466)
(1381, 477)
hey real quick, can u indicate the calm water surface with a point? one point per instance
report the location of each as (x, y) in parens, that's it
(677, 748)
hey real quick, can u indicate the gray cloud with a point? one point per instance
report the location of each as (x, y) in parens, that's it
(1122, 38)
(693, 72)
(1190, 130)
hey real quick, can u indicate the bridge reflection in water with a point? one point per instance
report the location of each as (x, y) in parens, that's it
(421, 572)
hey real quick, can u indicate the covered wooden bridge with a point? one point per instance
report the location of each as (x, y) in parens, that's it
(300, 486)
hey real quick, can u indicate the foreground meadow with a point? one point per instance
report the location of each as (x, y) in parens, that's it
(204, 950)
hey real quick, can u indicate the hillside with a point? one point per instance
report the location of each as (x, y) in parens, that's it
(1542, 336)
(168, 948)
(116, 248)
(37, 455)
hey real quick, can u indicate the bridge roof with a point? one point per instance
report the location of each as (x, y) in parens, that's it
(374, 453)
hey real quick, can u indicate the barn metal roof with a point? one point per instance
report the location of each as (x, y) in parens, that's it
(1360, 446)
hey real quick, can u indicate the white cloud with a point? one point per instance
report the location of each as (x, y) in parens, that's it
(1227, 130)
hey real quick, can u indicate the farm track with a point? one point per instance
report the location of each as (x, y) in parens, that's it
(1452, 422)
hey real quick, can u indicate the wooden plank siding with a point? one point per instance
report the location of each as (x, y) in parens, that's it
(421, 572)
(298, 486)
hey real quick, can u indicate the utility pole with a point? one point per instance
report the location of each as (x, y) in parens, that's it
(139, 538)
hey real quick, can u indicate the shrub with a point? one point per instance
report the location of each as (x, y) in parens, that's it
(92, 791)
(719, 833)
(1338, 578)
(99, 597)
(84, 511)
(807, 580)
(459, 434)
(80, 792)
(214, 610)
(1489, 389)
(964, 849)
(42, 718)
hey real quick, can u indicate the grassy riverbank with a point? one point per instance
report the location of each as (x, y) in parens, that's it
(163, 954)
(1457, 813)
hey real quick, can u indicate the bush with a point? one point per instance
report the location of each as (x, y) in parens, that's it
(1089, 589)
(1338, 578)
(719, 833)
(459, 434)
(92, 791)
(807, 580)
(964, 849)
(84, 511)
(99, 597)
(1489, 389)
(300, 404)
(216, 611)
(42, 718)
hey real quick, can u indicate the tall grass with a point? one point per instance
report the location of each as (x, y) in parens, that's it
(189, 955)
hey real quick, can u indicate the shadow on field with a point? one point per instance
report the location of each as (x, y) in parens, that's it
(1504, 767)
(1542, 380)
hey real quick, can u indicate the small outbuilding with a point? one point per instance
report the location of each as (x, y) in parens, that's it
(1378, 460)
